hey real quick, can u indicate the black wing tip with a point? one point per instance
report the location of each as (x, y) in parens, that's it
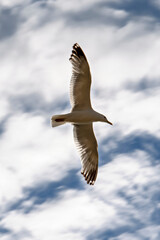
(76, 45)
(77, 50)
(90, 177)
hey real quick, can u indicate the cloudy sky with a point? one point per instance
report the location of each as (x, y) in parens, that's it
(43, 196)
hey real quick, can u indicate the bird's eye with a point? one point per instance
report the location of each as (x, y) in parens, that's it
(104, 117)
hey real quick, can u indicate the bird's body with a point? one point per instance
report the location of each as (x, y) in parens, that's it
(82, 115)
(79, 117)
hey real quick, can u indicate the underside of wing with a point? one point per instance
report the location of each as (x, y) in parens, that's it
(87, 146)
(80, 81)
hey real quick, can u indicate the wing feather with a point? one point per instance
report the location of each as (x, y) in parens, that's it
(87, 146)
(81, 80)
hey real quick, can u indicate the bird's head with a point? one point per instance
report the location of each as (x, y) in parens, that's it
(106, 120)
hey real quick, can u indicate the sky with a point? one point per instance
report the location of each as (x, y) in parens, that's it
(43, 195)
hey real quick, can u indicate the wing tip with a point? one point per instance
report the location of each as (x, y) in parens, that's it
(77, 51)
(90, 176)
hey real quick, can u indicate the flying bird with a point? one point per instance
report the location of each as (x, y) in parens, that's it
(82, 115)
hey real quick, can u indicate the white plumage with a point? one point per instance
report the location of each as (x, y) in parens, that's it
(82, 115)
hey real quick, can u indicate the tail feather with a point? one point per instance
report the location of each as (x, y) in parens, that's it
(57, 120)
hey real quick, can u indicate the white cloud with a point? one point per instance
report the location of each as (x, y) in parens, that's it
(4, 106)
(150, 232)
(156, 3)
(34, 60)
(77, 213)
(31, 152)
(127, 56)
(13, 3)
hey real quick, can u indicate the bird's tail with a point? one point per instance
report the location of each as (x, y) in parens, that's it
(58, 120)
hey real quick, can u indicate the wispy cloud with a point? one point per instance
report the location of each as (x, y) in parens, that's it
(43, 195)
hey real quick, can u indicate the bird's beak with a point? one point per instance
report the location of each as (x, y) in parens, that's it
(109, 122)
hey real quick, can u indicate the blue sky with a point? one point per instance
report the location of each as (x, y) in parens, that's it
(43, 195)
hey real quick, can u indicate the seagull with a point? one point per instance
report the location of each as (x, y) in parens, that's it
(82, 115)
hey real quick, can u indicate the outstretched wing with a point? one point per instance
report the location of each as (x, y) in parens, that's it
(87, 146)
(81, 80)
